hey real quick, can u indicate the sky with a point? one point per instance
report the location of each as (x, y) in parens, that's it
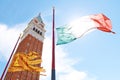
(92, 57)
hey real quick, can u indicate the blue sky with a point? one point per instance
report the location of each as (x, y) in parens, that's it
(92, 57)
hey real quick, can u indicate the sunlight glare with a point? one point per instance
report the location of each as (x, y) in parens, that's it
(82, 26)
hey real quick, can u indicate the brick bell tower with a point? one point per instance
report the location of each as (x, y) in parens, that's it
(32, 40)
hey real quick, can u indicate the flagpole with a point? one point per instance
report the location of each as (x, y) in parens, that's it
(3, 74)
(53, 77)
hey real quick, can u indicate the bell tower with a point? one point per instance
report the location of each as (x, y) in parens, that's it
(31, 40)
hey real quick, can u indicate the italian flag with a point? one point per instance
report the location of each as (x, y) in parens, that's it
(82, 26)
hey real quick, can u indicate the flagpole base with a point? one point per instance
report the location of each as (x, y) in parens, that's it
(53, 75)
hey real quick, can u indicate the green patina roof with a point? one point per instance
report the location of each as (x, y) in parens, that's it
(39, 18)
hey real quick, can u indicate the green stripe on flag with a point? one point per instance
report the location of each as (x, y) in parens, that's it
(64, 35)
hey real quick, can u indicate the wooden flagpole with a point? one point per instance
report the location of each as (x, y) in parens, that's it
(3, 74)
(53, 77)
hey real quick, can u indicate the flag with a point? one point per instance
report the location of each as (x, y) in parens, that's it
(23, 61)
(82, 26)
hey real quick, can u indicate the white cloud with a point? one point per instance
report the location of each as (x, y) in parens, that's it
(8, 38)
(64, 64)
(73, 75)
